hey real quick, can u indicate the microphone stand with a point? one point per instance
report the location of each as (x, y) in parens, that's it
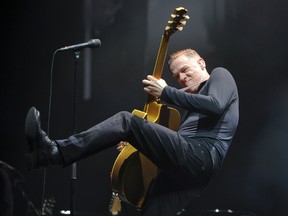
(74, 165)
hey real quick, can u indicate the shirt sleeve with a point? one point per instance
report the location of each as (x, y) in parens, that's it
(214, 97)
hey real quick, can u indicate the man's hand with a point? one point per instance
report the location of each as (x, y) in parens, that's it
(121, 145)
(154, 86)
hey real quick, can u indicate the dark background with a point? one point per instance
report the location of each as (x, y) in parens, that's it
(249, 38)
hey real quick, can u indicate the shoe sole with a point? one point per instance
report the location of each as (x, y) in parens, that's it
(31, 128)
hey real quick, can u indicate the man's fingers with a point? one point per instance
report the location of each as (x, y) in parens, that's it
(151, 78)
(145, 82)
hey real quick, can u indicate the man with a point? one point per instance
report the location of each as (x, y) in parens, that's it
(187, 159)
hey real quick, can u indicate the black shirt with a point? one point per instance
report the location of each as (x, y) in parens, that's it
(213, 112)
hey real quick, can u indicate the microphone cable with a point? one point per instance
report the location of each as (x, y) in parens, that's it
(48, 129)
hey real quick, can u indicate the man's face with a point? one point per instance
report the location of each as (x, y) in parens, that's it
(188, 71)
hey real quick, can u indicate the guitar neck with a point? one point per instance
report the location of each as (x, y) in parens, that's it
(158, 67)
(161, 56)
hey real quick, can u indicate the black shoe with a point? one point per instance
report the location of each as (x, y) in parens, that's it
(43, 152)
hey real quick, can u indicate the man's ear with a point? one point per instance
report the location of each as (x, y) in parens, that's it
(202, 63)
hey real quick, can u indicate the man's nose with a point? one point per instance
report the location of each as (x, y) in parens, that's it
(182, 76)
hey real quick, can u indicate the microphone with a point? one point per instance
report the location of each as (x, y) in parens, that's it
(93, 43)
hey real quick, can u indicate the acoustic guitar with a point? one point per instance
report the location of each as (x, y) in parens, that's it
(132, 172)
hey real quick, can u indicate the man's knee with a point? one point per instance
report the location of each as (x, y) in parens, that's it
(125, 114)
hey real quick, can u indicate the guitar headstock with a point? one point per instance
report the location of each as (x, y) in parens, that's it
(176, 20)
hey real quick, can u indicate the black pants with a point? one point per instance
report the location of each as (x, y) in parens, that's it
(185, 165)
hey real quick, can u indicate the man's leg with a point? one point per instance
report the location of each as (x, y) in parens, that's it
(181, 161)
(166, 148)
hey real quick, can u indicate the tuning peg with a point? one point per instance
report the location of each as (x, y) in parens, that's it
(186, 16)
(167, 28)
(173, 15)
(180, 28)
(183, 22)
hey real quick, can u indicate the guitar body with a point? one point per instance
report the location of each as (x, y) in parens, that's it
(132, 172)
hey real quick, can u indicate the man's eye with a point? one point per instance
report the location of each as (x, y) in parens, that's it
(176, 76)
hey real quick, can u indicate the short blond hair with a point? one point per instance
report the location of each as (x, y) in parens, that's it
(187, 52)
